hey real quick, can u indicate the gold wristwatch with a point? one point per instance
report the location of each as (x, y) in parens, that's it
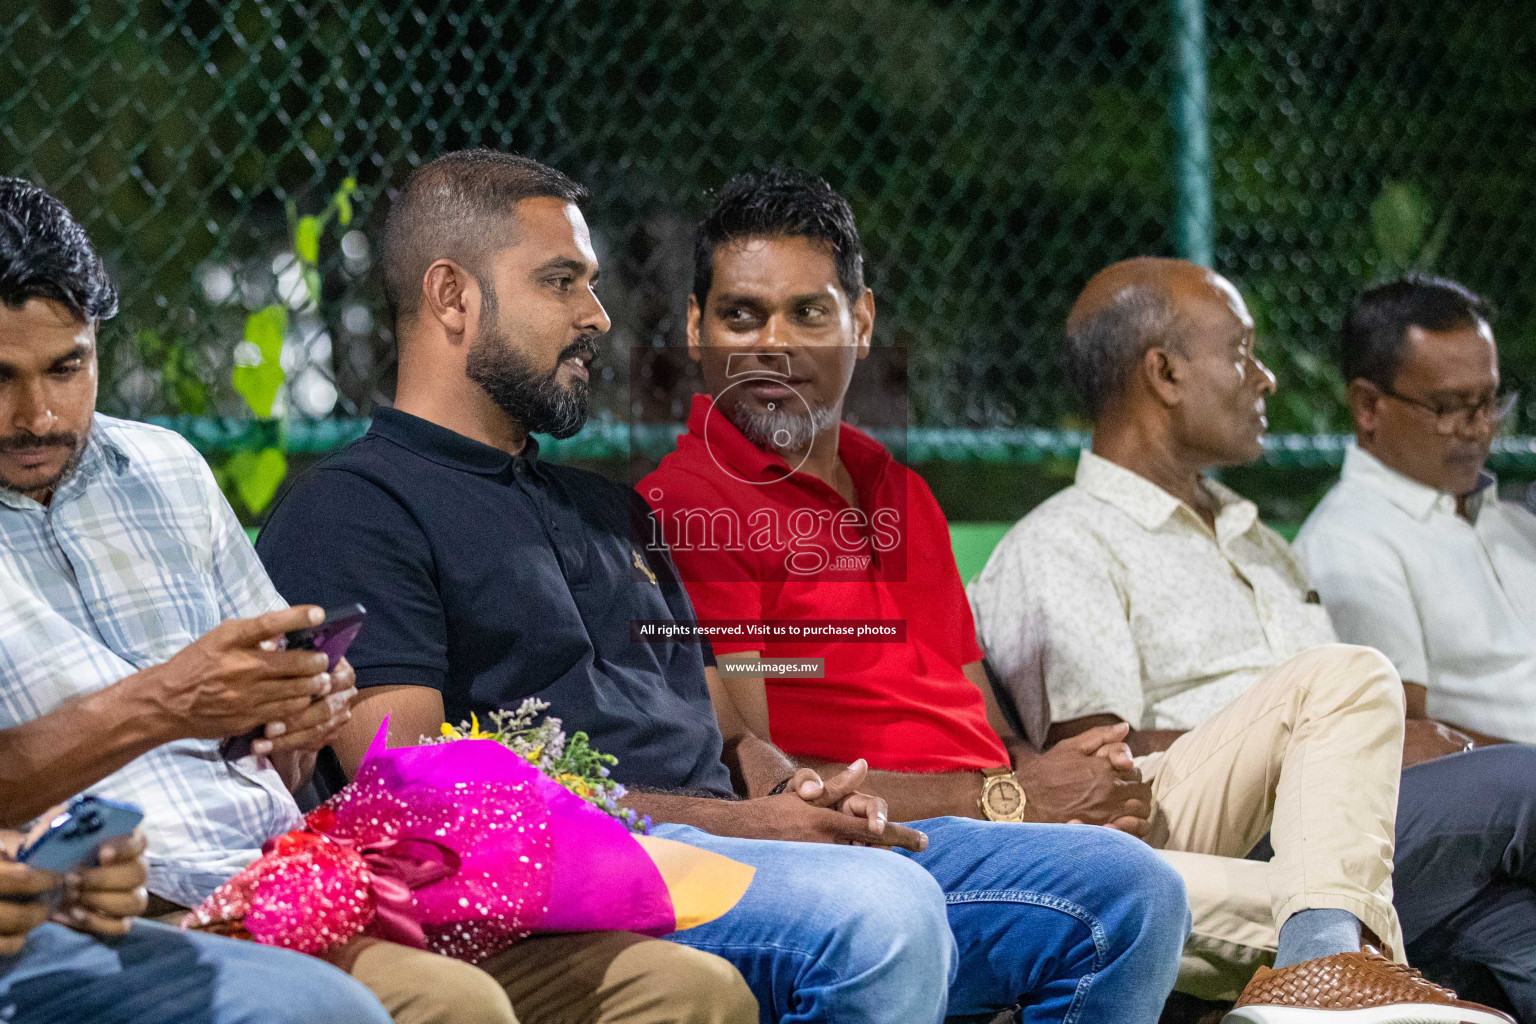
(1002, 798)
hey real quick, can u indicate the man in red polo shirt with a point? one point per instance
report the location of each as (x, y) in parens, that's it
(776, 510)
(778, 513)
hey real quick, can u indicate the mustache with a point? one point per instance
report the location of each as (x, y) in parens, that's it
(584, 346)
(57, 439)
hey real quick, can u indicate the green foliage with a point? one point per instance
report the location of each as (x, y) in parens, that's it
(996, 154)
(342, 200)
(306, 239)
(259, 382)
(256, 476)
(1401, 221)
(306, 231)
(178, 371)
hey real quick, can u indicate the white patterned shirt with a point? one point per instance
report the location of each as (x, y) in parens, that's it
(137, 556)
(1114, 597)
(1450, 600)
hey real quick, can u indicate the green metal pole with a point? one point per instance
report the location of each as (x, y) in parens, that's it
(1193, 225)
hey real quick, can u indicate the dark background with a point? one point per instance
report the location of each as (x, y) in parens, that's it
(996, 153)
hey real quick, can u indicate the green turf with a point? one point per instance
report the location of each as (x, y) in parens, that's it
(973, 544)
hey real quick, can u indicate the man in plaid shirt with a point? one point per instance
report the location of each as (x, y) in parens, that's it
(115, 556)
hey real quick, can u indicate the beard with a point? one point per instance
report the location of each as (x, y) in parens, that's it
(59, 439)
(780, 430)
(537, 401)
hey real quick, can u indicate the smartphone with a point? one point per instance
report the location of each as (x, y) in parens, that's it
(73, 837)
(331, 638)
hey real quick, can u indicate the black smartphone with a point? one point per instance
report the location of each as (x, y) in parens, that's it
(332, 638)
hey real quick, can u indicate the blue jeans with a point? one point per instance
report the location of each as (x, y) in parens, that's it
(160, 975)
(1076, 923)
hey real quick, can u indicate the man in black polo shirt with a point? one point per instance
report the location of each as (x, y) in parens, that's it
(491, 576)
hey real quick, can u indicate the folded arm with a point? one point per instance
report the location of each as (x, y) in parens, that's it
(1089, 780)
(757, 766)
(1364, 585)
(741, 705)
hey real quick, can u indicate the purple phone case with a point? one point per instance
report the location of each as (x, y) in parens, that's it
(331, 638)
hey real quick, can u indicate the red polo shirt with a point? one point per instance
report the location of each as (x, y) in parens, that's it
(754, 540)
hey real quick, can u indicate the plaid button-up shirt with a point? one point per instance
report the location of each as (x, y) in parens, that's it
(137, 556)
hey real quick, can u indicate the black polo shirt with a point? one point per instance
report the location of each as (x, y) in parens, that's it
(493, 578)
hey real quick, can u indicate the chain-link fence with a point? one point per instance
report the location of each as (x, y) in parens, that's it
(996, 152)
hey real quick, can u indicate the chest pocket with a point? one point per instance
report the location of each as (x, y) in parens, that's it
(1291, 622)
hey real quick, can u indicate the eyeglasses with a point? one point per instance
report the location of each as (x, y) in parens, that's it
(1451, 419)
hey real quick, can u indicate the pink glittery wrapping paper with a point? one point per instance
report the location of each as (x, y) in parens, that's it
(532, 857)
(588, 869)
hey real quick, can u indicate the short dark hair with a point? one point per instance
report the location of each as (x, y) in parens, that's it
(45, 254)
(1104, 349)
(785, 203)
(450, 208)
(1376, 328)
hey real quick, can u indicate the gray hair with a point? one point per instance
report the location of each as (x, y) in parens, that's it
(782, 430)
(1104, 350)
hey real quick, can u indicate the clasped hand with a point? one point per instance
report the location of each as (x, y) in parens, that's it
(1088, 779)
(862, 819)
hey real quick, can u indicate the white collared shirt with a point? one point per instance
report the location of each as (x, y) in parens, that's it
(1114, 597)
(1451, 600)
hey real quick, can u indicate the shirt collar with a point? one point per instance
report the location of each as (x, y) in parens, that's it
(100, 454)
(1150, 506)
(446, 447)
(1417, 499)
(864, 457)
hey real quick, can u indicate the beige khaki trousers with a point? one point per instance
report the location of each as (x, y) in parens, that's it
(555, 978)
(1311, 754)
(562, 978)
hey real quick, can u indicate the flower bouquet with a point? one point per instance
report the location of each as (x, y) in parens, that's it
(467, 843)
(571, 762)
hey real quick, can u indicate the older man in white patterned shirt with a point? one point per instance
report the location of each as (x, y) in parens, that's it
(1149, 594)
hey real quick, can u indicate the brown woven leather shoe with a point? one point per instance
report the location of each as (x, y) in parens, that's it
(1353, 988)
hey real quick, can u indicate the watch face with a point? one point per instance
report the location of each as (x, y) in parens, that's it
(1004, 798)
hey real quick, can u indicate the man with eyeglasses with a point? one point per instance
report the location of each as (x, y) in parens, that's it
(1412, 551)
(1414, 554)
(1148, 593)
